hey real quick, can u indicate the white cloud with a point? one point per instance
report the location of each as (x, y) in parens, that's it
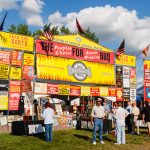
(110, 24)
(9, 4)
(31, 10)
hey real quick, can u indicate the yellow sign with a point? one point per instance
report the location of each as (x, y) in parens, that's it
(104, 91)
(4, 71)
(56, 68)
(28, 59)
(85, 91)
(147, 64)
(64, 89)
(3, 102)
(15, 73)
(79, 41)
(126, 60)
(16, 41)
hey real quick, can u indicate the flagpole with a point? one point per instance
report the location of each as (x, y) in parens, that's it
(139, 54)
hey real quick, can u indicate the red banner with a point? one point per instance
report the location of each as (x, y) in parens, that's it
(14, 95)
(112, 91)
(68, 51)
(26, 86)
(4, 57)
(52, 88)
(119, 94)
(94, 91)
(132, 73)
(16, 58)
(28, 72)
(75, 90)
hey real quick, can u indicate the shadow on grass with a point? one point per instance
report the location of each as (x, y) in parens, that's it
(40, 136)
(82, 137)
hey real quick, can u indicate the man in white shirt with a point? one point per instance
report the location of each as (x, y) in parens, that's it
(120, 116)
(97, 116)
(48, 115)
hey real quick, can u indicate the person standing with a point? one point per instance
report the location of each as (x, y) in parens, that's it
(134, 117)
(128, 119)
(146, 116)
(48, 115)
(97, 116)
(120, 116)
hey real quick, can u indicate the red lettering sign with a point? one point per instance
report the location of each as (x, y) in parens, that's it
(94, 91)
(75, 90)
(52, 88)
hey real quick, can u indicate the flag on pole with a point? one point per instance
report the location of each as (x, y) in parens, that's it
(79, 27)
(2, 23)
(47, 33)
(121, 49)
(145, 50)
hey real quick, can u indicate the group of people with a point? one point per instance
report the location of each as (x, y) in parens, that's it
(121, 118)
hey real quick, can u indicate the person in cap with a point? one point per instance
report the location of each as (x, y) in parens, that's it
(97, 115)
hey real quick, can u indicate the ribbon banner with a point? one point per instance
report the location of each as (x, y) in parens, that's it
(68, 51)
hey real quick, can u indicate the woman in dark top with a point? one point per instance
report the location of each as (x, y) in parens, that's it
(146, 115)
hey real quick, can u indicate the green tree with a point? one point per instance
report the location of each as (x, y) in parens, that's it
(12, 29)
(65, 30)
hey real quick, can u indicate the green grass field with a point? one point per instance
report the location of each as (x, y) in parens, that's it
(72, 140)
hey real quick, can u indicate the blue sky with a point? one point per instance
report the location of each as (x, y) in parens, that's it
(111, 20)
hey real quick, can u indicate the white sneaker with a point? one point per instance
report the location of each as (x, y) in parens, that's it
(102, 142)
(94, 143)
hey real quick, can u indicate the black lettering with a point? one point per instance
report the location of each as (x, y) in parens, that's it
(81, 53)
(73, 51)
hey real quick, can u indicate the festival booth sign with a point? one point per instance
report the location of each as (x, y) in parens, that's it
(126, 83)
(16, 58)
(28, 59)
(14, 95)
(94, 91)
(4, 57)
(147, 91)
(55, 68)
(112, 91)
(52, 88)
(69, 51)
(126, 94)
(104, 91)
(4, 71)
(64, 89)
(75, 90)
(3, 100)
(119, 94)
(132, 94)
(126, 60)
(132, 78)
(40, 88)
(119, 78)
(85, 91)
(4, 85)
(126, 72)
(15, 73)
(16, 41)
(26, 86)
(146, 70)
(28, 72)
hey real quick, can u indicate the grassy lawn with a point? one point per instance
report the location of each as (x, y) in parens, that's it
(72, 140)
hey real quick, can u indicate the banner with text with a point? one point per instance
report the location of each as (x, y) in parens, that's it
(4, 57)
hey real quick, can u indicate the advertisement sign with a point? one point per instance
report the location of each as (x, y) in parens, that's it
(26, 86)
(56, 68)
(133, 83)
(28, 59)
(15, 73)
(119, 92)
(94, 91)
(119, 78)
(3, 100)
(16, 41)
(28, 72)
(132, 94)
(52, 88)
(132, 77)
(40, 88)
(147, 70)
(126, 94)
(147, 91)
(126, 60)
(103, 91)
(14, 95)
(64, 89)
(4, 57)
(69, 51)
(112, 91)
(4, 85)
(85, 91)
(16, 58)
(75, 90)
(126, 72)
(4, 71)
(126, 83)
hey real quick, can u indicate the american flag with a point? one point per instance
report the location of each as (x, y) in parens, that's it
(47, 33)
(121, 49)
(145, 50)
